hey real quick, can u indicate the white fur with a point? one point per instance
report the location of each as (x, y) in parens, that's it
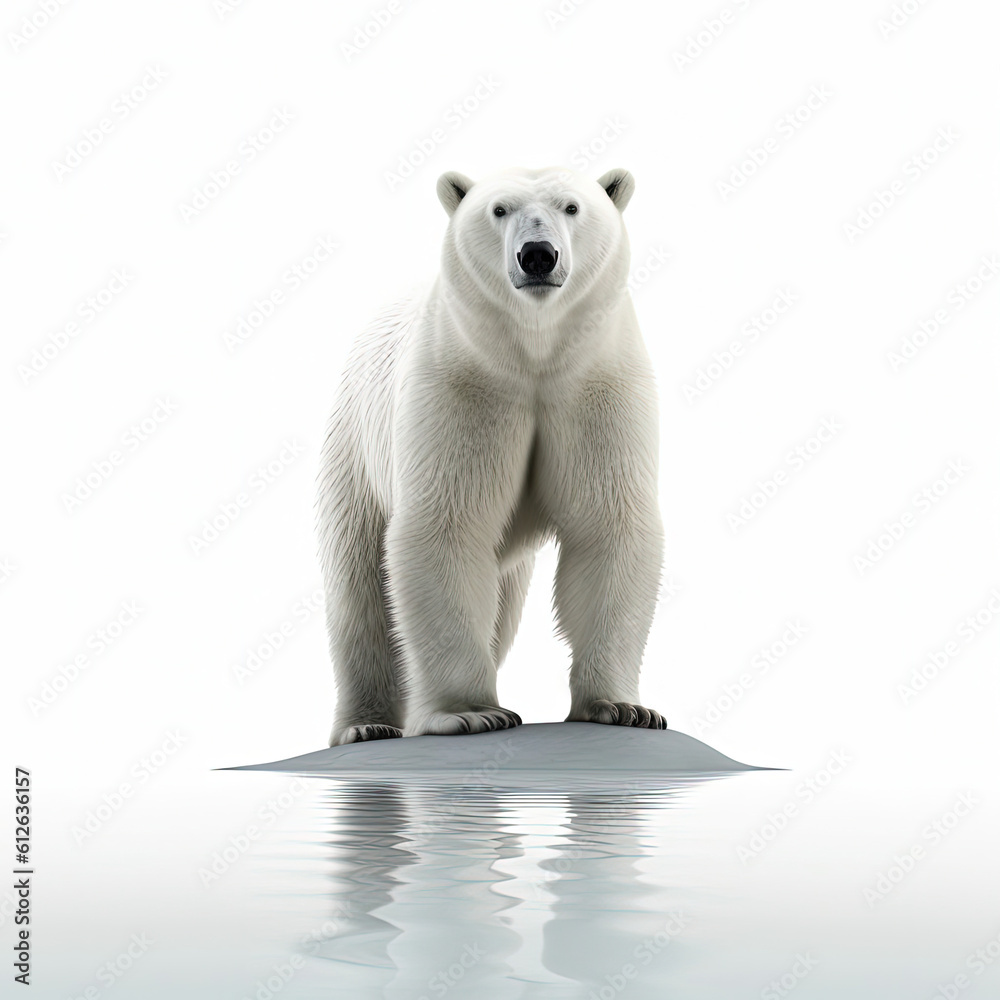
(472, 424)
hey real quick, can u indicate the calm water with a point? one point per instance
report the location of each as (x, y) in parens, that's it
(258, 885)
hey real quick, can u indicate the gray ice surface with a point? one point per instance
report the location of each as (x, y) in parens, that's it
(526, 755)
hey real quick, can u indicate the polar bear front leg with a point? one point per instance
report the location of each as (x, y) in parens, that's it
(444, 581)
(605, 593)
(599, 481)
(460, 465)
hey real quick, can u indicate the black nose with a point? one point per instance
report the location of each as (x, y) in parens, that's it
(537, 258)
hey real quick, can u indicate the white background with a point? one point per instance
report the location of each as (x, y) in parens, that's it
(596, 87)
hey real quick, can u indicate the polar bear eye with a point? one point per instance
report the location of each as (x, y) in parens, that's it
(499, 210)
(572, 209)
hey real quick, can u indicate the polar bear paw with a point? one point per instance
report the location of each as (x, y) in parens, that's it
(479, 719)
(363, 733)
(620, 713)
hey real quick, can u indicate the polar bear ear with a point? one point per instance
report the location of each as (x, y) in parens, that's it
(452, 187)
(619, 185)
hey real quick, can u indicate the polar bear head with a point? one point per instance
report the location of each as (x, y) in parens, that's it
(535, 239)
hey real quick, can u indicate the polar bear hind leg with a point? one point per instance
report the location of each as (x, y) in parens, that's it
(514, 584)
(366, 663)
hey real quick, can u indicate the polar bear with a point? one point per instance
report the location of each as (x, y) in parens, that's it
(511, 404)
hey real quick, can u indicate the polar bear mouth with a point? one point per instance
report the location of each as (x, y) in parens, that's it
(521, 282)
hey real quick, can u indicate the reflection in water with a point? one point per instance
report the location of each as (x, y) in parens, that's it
(602, 907)
(486, 892)
(367, 834)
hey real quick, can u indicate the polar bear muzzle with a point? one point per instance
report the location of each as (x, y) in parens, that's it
(536, 261)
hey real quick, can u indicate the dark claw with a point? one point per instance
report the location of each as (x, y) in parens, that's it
(377, 731)
(622, 713)
(513, 719)
(627, 715)
(502, 718)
